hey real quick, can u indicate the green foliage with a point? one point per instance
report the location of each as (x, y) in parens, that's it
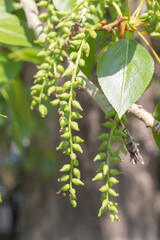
(119, 68)
(12, 31)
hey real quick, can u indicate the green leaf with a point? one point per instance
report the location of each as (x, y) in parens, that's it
(66, 5)
(6, 6)
(13, 31)
(23, 124)
(26, 54)
(124, 72)
(156, 115)
(8, 69)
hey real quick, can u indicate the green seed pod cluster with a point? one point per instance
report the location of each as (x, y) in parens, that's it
(152, 18)
(106, 156)
(63, 40)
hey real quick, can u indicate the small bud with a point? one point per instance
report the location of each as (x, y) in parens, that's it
(108, 124)
(77, 139)
(76, 163)
(60, 68)
(44, 66)
(77, 173)
(77, 147)
(66, 30)
(40, 41)
(76, 115)
(119, 133)
(100, 156)
(104, 188)
(68, 72)
(43, 110)
(43, 16)
(116, 160)
(112, 217)
(62, 145)
(77, 181)
(66, 86)
(113, 209)
(40, 74)
(51, 46)
(65, 168)
(103, 146)
(103, 136)
(99, 176)
(64, 178)
(80, 36)
(81, 63)
(114, 172)
(105, 169)
(74, 203)
(54, 18)
(113, 193)
(65, 188)
(59, 90)
(73, 156)
(86, 49)
(37, 87)
(74, 126)
(66, 135)
(76, 42)
(101, 165)
(104, 203)
(55, 102)
(33, 103)
(42, 4)
(64, 96)
(76, 104)
(51, 90)
(112, 181)
(59, 25)
(73, 55)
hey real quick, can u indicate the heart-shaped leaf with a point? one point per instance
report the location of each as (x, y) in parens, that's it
(124, 72)
(13, 31)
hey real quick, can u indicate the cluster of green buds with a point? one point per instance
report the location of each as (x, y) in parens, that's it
(108, 156)
(68, 106)
(152, 18)
(64, 43)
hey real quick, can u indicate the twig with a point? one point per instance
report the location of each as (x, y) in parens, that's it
(31, 12)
